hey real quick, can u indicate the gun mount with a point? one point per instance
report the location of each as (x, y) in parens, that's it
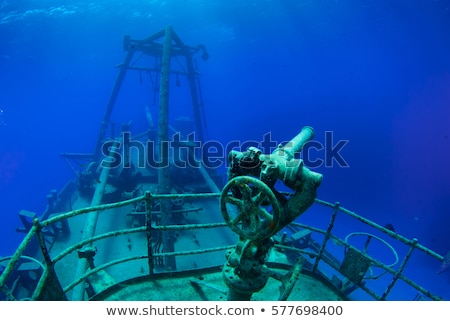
(255, 210)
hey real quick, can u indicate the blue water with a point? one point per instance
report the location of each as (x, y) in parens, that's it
(374, 73)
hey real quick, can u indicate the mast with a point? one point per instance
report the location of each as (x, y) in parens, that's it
(163, 138)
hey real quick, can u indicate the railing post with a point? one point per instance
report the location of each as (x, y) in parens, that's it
(327, 236)
(48, 287)
(148, 226)
(400, 269)
(42, 245)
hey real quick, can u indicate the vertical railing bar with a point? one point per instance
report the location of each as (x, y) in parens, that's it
(40, 284)
(401, 268)
(48, 261)
(326, 237)
(148, 225)
(14, 260)
(42, 245)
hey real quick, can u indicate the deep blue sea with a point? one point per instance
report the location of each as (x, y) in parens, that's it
(374, 73)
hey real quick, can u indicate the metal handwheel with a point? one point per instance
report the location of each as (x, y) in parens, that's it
(252, 220)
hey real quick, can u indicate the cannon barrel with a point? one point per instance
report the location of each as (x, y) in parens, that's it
(296, 144)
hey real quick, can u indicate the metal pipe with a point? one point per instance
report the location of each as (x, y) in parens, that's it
(191, 76)
(90, 225)
(112, 99)
(194, 96)
(163, 125)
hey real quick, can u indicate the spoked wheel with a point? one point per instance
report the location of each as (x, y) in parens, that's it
(252, 211)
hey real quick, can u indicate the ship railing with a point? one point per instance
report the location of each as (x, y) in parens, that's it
(320, 254)
(48, 287)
